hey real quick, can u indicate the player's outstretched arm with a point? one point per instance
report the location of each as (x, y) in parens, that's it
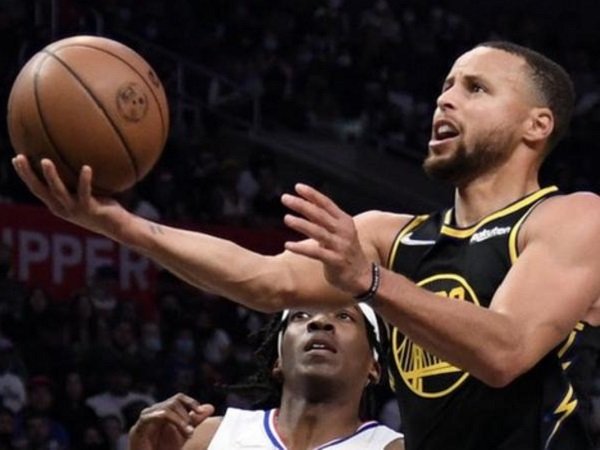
(265, 283)
(174, 424)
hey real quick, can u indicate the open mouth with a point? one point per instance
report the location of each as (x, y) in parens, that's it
(319, 345)
(444, 130)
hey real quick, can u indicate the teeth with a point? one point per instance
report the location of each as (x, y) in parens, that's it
(318, 346)
(445, 130)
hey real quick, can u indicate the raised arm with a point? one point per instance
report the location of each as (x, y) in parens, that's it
(265, 283)
(553, 284)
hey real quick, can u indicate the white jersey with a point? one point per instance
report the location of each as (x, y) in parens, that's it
(242, 429)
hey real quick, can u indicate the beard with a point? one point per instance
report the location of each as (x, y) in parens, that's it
(465, 164)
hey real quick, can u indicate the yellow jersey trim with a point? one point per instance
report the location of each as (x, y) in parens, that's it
(570, 339)
(513, 248)
(565, 408)
(468, 232)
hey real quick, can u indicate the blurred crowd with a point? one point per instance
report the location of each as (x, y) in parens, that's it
(75, 372)
(352, 70)
(369, 71)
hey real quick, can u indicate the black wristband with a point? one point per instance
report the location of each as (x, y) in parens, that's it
(367, 296)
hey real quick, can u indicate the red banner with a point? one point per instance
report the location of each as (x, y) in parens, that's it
(60, 257)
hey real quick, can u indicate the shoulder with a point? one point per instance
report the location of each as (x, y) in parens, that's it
(577, 213)
(395, 439)
(382, 217)
(383, 437)
(575, 202)
(397, 444)
(379, 229)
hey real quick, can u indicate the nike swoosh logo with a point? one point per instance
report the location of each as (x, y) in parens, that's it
(408, 240)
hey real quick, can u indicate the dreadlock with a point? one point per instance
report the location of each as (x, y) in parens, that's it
(261, 388)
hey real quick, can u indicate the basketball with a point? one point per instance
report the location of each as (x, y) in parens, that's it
(88, 100)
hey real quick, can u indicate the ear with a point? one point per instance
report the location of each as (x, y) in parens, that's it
(374, 374)
(277, 372)
(538, 126)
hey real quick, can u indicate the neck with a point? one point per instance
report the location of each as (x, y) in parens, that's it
(492, 191)
(303, 424)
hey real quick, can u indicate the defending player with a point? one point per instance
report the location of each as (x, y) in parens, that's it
(319, 364)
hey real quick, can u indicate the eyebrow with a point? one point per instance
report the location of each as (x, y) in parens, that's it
(476, 77)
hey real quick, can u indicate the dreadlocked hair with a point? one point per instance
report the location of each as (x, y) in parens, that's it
(261, 388)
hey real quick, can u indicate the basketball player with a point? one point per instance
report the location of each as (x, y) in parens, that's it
(485, 298)
(322, 361)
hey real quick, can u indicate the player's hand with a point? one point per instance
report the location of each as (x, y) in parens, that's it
(169, 424)
(101, 215)
(334, 239)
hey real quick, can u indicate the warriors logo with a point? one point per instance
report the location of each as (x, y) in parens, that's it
(423, 373)
(132, 102)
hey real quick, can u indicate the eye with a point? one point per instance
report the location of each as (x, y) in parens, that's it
(447, 85)
(476, 88)
(299, 315)
(345, 316)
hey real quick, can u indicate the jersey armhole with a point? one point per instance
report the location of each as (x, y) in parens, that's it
(513, 239)
(410, 225)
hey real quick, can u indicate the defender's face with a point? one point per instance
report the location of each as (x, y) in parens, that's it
(330, 345)
(479, 116)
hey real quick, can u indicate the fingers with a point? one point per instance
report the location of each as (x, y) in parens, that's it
(317, 198)
(182, 411)
(57, 187)
(202, 412)
(314, 206)
(311, 249)
(309, 229)
(35, 185)
(322, 220)
(25, 172)
(84, 186)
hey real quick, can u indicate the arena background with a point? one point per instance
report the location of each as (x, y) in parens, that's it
(336, 93)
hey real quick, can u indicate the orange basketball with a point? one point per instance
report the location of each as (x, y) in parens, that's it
(89, 100)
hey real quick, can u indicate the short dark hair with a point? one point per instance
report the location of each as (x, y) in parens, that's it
(552, 81)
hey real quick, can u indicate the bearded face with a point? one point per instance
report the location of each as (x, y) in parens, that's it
(467, 161)
(482, 109)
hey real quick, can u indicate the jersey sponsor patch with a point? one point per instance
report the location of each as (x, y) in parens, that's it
(488, 233)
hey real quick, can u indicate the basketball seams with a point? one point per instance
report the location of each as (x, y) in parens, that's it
(99, 104)
(42, 119)
(134, 69)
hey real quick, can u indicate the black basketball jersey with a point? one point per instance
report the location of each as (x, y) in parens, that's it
(443, 407)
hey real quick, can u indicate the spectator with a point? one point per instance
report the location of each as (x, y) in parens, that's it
(72, 411)
(118, 392)
(12, 387)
